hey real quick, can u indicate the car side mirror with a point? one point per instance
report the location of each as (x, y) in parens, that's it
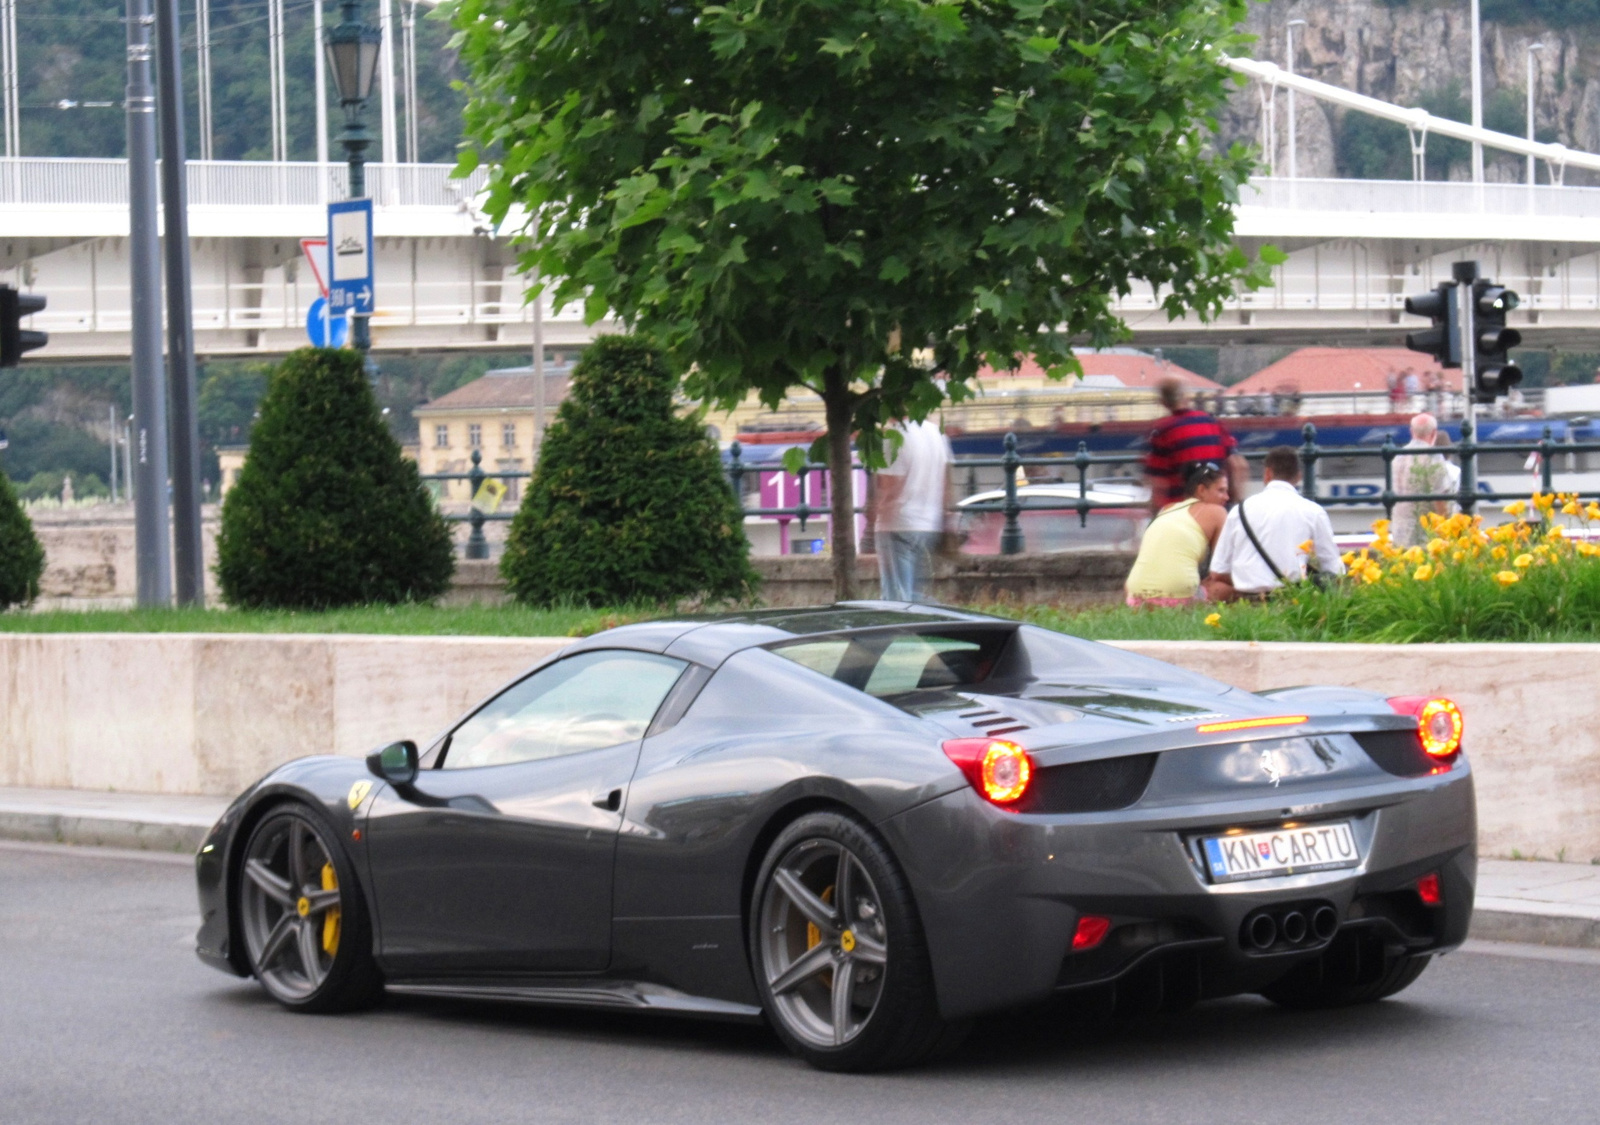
(396, 763)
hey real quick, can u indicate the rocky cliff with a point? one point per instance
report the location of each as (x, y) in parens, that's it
(1417, 53)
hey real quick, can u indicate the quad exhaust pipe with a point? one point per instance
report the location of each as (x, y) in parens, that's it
(1297, 925)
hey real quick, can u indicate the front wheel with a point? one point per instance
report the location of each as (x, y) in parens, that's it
(304, 922)
(838, 951)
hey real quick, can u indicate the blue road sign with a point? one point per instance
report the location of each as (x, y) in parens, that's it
(326, 329)
(350, 257)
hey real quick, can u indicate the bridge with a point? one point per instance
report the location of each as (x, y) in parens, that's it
(446, 280)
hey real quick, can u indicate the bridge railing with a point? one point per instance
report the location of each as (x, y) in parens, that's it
(50, 181)
(1427, 197)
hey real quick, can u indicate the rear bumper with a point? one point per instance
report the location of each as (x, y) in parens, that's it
(1000, 894)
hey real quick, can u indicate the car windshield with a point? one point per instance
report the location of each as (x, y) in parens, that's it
(893, 662)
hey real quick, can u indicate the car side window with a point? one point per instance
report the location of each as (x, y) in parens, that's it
(585, 702)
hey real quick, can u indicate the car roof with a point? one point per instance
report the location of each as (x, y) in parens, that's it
(712, 638)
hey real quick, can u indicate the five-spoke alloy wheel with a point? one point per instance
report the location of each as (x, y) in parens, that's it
(301, 915)
(838, 950)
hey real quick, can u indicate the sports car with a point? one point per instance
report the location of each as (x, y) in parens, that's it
(866, 824)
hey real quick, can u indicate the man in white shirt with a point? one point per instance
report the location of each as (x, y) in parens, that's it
(1283, 521)
(911, 501)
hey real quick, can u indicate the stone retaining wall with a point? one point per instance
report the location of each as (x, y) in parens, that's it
(209, 713)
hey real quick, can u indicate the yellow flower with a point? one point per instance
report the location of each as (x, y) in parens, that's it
(1556, 533)
(1422, 573)
(1381, 528)
(1570, 508)
(1306, 548)
(1214, 620)
(1498, 553)
(1371, 574)
(1414, 555)
(1437, 547)
(1516, 507)
(1591, 511)
(1508, 577)
(1522, 562)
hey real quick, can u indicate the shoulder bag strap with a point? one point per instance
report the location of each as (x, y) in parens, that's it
(1244, 521)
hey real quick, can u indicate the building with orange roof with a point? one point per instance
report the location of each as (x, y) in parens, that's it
(1108, 369)
(1343, 371)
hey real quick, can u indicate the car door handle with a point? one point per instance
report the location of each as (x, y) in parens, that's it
(611, 802)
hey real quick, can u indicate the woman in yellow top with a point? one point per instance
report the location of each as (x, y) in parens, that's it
(1179, 540)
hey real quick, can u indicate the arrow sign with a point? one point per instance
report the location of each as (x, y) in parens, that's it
(350, 257)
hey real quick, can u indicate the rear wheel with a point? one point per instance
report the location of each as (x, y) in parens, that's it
(1350, 972)
(302, 916)
(838, 951)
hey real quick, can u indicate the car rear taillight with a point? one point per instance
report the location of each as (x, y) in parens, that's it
(998, 769)
(1439, 723)
(1428, 889)
(1092, 930)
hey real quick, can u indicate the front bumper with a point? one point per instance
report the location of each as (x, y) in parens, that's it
(1000, 894)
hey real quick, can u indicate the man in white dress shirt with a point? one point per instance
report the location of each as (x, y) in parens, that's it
(913, 494)
(1283, 522)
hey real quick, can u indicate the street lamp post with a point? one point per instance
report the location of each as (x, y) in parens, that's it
(1288, 35)
(352, 50)
(1532, 77)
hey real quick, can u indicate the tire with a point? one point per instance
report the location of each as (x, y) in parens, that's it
(1348, 973)
(880, 1013)
(302, 917)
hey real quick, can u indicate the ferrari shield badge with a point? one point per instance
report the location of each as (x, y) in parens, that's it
(358, 792)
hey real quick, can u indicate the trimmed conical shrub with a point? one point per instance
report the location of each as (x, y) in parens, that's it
(326, 512)
(628, 502)
(21, 556)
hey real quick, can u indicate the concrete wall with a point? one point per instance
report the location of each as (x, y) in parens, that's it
(209, 713)
(1532, 712)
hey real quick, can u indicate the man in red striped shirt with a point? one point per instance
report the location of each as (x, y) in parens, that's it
(1182, 438)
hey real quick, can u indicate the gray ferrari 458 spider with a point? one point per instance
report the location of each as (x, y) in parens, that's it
(866, 824)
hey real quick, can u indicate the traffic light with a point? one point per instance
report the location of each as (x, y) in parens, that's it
(14, 339)
(1443, 340)
(1496, 374)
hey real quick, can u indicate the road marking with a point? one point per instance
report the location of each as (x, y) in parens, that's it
(1532, 952)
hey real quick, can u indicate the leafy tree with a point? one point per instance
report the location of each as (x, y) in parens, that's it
(326, 511)
(628, 502)
(809, 194)
(21, 556)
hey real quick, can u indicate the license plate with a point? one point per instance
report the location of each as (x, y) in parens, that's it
(1284, 851)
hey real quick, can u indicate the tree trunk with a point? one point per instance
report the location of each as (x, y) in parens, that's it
(842, 492)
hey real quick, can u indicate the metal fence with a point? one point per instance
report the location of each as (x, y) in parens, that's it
(1012, 539)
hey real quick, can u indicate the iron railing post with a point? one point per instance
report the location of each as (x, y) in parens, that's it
(1388, 478)
(477, 545)
(736, 472)
(1081, 460)
(1011, 541)
(1547, 482)
(1468, 449)
(803, 509)
(1308, 462)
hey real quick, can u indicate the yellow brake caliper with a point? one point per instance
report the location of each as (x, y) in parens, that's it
(330, 920)
(814, 938)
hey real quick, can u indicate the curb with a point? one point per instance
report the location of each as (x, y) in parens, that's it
(1569, 931)
(102, 832)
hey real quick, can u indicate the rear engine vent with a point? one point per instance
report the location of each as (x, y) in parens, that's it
(1103, 785)
(1398, 752)
(993, 723)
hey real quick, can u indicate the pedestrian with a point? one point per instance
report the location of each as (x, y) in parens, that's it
(1184, 437)
(912, 497)
(1173, 552)
(1270, 539)
(1420, 473)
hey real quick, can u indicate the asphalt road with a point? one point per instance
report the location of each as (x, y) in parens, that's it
(106, 1016)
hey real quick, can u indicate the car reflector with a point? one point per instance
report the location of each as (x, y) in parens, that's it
(998, 769)
(1428, 889)
(1092, 930)
(1251, 724)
